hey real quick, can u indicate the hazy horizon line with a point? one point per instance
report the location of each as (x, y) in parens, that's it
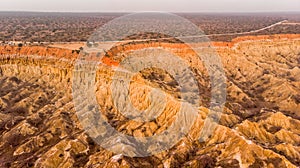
(36, 11)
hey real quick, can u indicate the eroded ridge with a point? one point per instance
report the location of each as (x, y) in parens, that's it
(259, 127)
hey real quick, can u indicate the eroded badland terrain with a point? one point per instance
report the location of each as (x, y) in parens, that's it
(259, 127)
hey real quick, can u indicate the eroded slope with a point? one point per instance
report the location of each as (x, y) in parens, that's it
(260, 126)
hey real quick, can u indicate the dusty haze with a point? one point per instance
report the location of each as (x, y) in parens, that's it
(151, 5)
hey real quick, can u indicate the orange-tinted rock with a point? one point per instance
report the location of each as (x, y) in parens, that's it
(259, 128)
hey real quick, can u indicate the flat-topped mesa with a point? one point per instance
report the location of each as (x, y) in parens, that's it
(276, 37)
(61, 60)
(42, 51)
(63, 53)
(52, 65)
(188, 49)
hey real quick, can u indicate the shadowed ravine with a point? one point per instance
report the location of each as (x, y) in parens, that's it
(259, 127)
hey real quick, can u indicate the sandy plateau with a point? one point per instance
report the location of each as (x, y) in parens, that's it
(260, 126)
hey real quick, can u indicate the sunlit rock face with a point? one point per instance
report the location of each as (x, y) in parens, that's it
(259, 126)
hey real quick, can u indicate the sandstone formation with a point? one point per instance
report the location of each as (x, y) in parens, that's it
(259, 127)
